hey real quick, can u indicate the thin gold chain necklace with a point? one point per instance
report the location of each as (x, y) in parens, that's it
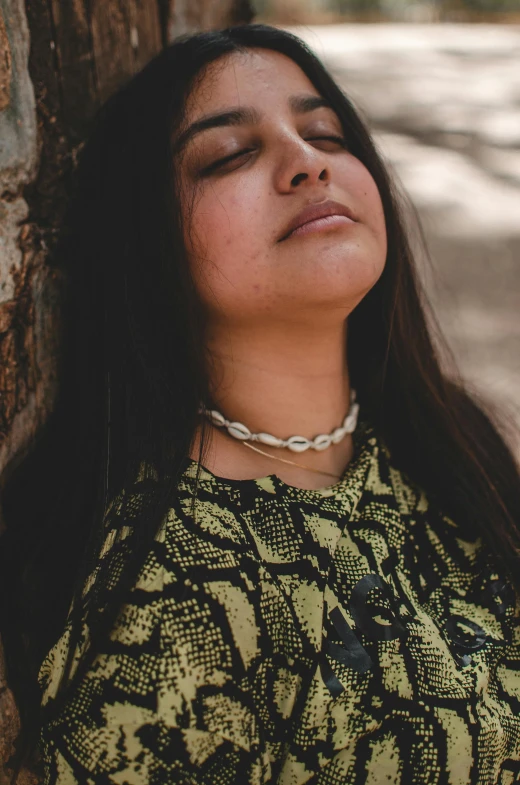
(291, 463)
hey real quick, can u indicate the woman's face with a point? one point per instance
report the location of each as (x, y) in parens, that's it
(261, 153)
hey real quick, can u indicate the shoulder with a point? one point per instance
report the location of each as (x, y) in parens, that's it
(166, 690)
(207, 537)
(387, 483)
(412, 518)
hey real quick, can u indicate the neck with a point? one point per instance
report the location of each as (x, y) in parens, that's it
(286, 383)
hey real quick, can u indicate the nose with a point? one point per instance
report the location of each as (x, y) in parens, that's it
(301, 165)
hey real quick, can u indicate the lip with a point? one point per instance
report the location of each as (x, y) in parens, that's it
(314, 212)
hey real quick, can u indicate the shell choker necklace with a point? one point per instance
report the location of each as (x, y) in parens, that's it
(294, 443)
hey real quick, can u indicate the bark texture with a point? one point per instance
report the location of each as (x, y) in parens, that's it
(58, 62)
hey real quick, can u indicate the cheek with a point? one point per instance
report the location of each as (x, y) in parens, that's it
(225, 249)
(361, 184)
(375, 210)
(219, 224)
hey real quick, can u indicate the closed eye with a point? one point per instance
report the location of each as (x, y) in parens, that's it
(339, 140)
(222, 163)
(229, 159)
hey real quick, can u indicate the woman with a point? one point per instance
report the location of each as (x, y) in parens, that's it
(297, 538)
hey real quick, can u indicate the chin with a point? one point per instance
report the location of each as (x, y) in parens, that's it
(346, 270)
(338, 294)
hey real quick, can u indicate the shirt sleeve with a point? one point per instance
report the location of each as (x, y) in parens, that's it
(166, 699)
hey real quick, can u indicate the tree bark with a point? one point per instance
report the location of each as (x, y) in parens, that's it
(58, 62)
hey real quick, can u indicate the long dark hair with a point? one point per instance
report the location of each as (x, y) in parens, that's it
(133, 367)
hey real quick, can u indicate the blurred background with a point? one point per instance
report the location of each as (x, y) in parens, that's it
(438, 82)
(418, 11)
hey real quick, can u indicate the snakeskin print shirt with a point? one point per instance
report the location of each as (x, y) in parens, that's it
(351, 635)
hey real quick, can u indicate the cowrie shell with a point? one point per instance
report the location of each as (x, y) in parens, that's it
(337, 435)
(238, 430)
(217, 417)
(298, 444)
(266, 438)
(322, 441)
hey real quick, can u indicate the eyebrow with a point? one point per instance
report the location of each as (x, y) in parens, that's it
(246, 115)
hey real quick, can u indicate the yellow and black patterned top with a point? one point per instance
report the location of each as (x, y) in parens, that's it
(351, 635)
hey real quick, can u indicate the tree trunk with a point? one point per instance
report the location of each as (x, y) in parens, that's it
(58, 62)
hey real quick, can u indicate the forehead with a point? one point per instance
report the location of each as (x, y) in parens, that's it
(257, 77)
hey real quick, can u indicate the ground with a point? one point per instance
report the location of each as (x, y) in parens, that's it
(444, 102)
